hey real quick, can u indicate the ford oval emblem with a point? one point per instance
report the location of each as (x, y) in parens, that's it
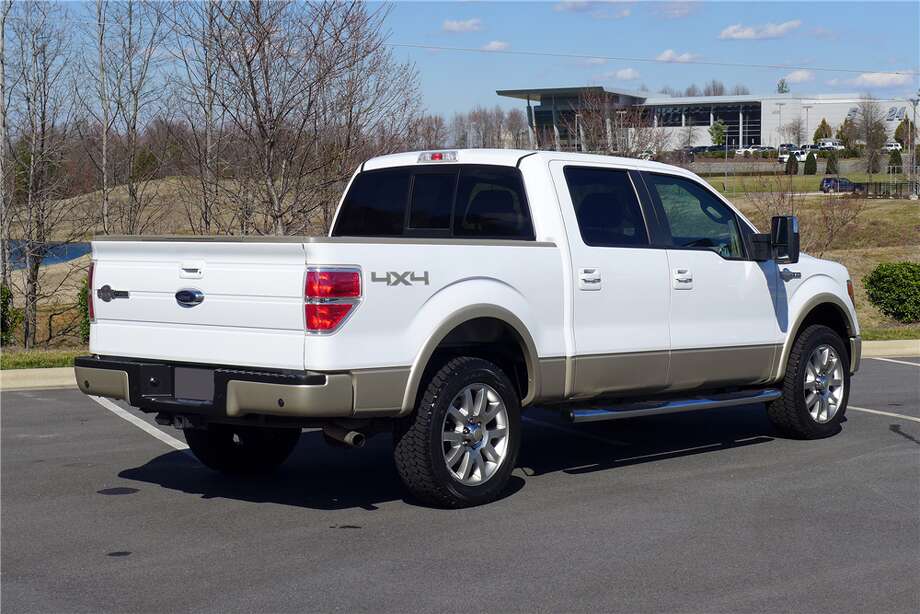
(189, 297)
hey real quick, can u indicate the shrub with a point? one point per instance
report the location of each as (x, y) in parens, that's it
(9, 316)
(832, 168)
(83, 304)
(811, 164)
(894, 162)
(792, 165)
(894, 287)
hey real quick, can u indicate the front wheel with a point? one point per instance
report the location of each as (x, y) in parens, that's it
(816, 386)
(242, 449)
(460, 445)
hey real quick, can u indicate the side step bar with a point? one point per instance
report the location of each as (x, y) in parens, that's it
(655, 408)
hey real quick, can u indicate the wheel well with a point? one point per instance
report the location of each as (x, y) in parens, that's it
(829, 315)
(487, 338)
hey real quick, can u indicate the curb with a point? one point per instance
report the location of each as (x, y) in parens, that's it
(63, 377)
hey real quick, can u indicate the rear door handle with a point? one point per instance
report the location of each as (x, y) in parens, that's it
(683, 279)
(589, 279)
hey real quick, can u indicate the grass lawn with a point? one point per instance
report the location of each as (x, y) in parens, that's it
(17, 358)
(796, 183)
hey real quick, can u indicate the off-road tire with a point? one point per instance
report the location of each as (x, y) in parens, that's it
(788, 413)
(242, 449)
(418, 445)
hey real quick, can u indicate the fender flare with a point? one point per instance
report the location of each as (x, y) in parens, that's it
(459, 317)
(807, 308)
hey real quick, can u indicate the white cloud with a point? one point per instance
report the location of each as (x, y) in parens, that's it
(769, 30)
(800, 76)
(462, 25)
(597, 10)
(880, 79)
(496, 46)
(625, 74)
(669, 55)
(594, 61)
(677, 10)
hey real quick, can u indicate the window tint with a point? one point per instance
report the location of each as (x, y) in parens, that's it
(695, 218)
(606, 207)
(491, 204)
(432, 200)
(375, 205)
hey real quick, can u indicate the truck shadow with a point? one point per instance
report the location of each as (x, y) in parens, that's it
(318, 476)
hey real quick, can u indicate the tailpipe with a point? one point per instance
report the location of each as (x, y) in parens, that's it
(352, 439)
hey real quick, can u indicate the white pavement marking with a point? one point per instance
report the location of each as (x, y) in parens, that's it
(147, 428)
(572, 431)
(884, 413)
(900, 362)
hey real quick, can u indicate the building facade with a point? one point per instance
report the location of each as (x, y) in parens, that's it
(554, 115)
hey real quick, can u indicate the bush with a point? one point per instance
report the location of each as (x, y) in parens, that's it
(9, 316)
(792, 165)
(811, 164)
(894, 287)
(83, 304)
(895, 162)
(832, 168)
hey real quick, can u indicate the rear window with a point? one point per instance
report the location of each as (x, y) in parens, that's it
(470, 201)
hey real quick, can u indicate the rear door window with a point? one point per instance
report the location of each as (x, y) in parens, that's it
(606, 207)
(491, 204)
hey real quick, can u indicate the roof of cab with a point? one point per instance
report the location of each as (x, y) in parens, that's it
(511, 157)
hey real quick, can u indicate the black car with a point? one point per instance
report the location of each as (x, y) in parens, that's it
(840, 184)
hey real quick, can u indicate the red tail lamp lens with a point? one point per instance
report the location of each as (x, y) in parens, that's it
(326, 316)
(333, 284)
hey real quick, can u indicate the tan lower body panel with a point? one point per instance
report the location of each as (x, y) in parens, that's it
(333, 399)
(552, 379)
(103, 382)
(725, 366)
(379, 391)
(610, 373)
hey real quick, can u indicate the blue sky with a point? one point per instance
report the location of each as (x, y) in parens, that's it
(865, 36)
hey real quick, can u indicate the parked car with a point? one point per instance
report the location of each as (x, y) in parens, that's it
(812, 147)
(840, 184)
(784, 147)
(798, 153)
(458, 287)
(892, 146)
(831, 144)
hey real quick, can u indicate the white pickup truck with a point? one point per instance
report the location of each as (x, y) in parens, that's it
(455, 289)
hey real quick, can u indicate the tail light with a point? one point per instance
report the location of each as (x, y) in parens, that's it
(850, 292)
(331, 294)
(90, 307)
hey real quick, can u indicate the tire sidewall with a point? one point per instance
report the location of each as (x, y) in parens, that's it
(822, 336)
(478, 372)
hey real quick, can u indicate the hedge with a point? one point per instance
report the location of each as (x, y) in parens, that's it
(894, 287)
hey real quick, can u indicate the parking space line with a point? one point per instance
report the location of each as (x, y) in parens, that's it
(147, 428)
(573, 431)
(884, 413)
(900, 362)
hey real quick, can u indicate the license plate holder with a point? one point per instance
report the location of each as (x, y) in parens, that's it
(193, 384)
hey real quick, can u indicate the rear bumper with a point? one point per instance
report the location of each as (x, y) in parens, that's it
(148, 385)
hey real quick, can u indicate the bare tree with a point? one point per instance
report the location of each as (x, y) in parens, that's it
(43, 103)
(740, 90)
(606, 128)
(714, 88)
(794, 131)
(5, 184)
(870, 128)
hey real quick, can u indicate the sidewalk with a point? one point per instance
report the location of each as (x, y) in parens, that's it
(33, 379)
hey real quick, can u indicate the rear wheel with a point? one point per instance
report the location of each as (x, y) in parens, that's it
(816, 386)
(242, 449)
(460, 445)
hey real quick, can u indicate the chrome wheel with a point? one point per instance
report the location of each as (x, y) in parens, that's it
(824, 385)
(474, 435)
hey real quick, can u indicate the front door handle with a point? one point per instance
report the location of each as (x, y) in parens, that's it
(788, 275)
(683, 279)
(589, 279)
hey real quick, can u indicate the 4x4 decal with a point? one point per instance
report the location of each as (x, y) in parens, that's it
(394, 278)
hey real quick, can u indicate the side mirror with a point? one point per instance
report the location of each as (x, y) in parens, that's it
(784, 239)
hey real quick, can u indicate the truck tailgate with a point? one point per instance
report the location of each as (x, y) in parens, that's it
(251, 313)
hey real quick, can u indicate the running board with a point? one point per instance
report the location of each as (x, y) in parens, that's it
(655, 408)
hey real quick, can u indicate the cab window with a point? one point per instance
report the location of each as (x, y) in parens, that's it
(693, 218)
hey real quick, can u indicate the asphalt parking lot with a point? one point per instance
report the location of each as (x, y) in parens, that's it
(703, 512)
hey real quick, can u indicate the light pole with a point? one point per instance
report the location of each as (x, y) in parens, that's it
(780, 106)
(806, 107)
(913, 184)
